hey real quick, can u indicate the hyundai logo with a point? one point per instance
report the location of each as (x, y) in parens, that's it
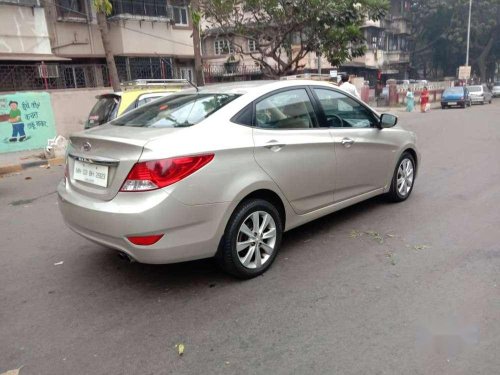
(86, 147)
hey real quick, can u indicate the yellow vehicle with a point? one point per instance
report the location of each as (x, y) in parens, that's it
(133, 95)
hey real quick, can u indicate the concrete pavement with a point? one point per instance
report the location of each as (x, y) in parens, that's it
(378, 288)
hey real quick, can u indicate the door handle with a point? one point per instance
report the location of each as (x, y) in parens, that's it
(274, 145)
(347, 142)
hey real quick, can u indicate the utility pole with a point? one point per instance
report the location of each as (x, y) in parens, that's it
(468, 34)
(198, 65)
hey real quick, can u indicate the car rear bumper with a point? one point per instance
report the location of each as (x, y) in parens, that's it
(189, 232)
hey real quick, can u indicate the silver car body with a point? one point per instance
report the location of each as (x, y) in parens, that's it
(496, 89)
(480, 94)
(308, 173)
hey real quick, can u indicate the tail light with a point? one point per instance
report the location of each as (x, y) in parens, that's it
(157, 174)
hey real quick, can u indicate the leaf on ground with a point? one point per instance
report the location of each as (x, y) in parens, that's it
(375, 236)
(180, 348)
(355, 234)
(12, 372)
(420, 247)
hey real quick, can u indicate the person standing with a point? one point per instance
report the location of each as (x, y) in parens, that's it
(424, 99)
(410, 100)
(349, 87)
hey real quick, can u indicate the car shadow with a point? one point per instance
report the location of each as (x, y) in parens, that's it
(205, 273)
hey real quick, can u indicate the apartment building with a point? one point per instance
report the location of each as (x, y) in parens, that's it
(386, 57)
(61, 41)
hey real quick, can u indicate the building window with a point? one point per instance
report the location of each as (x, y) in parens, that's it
(252, 46)
(222, 47)
(180, 15)
(149, 8)
(71, 9)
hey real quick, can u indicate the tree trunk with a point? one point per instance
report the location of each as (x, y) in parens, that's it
(483, 57)
(110, 60)
(198, 65)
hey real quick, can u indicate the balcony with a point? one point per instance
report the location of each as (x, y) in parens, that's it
(394, 57)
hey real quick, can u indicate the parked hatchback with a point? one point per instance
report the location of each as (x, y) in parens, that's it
(455, 97)
(133, 95)
(480, 94)
(496, 89)
(224, 171)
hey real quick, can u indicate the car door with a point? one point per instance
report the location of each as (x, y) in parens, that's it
(364, 153)
(293, 150)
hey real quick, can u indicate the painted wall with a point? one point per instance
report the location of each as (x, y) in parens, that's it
(26, 121)
(23, 30)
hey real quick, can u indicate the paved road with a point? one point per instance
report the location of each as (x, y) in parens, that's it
(411, 288)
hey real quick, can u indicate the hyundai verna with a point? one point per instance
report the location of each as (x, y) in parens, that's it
(222, 172)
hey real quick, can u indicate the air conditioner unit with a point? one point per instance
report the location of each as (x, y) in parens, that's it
(48, 71)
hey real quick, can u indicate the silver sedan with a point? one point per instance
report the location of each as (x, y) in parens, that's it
(224, 171)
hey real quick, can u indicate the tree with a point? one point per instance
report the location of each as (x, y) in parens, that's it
(198, 65)
(440, 35)
(103, 8)
(285, 31)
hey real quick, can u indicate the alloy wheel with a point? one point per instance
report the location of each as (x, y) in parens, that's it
(405, 177)
(256, 239)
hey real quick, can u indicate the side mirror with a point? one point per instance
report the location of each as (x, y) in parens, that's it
(387, 120)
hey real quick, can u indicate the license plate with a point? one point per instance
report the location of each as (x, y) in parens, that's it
(91, 173)
(452, 103)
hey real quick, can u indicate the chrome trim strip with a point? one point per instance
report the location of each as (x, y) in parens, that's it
(95, 160)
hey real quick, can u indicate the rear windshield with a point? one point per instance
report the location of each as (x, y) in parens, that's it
(175, 111)
(475, 88)
(454, 90)
(103, 111)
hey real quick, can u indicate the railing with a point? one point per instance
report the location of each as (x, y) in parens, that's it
(231, 72)
(52, 76)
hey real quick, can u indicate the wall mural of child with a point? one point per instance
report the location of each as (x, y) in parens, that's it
(15, 119)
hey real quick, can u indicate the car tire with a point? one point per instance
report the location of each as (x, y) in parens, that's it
(443, 107)
(246, 256)
(398, 192)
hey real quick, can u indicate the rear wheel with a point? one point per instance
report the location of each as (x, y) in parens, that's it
(403, 179)
(251, 240)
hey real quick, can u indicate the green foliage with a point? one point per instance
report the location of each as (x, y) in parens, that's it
(285, 31)
(103, 6)
(440, 34)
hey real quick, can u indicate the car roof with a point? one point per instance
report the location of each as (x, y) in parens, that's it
(246, 87)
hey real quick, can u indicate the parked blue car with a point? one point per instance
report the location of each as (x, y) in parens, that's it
(455, 97)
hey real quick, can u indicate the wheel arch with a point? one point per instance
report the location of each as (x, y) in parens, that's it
(271, 197)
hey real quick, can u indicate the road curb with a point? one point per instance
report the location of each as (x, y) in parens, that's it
(13, 168)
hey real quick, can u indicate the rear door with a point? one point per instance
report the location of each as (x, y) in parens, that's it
(293, 150)
(364, 153)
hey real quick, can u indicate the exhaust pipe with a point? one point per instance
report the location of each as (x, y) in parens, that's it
(124, 256)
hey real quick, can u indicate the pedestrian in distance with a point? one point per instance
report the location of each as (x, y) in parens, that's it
(349, 87)
(410, 100)
(424, 100)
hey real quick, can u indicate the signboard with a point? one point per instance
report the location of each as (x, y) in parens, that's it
(333, 74)
(464, 72)
(26, 121)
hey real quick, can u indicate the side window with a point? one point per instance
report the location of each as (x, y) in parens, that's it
(343, 111)
(290, 109)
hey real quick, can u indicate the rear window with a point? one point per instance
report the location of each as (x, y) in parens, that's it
(475, 88)
(175, 111)
(454, 90)
(103, 111)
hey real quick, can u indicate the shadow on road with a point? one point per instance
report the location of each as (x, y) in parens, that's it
(205, 273)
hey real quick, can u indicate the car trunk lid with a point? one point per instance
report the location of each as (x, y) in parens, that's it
(100, 159)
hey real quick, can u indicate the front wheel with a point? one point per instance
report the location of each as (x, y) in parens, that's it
(251, 240)
(403, 179)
